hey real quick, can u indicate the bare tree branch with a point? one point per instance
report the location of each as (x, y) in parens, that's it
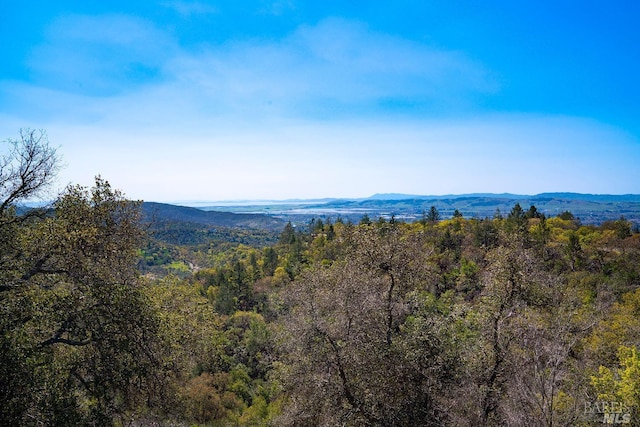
(27, 169)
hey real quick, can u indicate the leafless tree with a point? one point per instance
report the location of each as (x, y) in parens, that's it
(27, 168)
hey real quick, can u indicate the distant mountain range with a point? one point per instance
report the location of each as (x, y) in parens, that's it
(510, 196)
(271, 216)
(590, 208)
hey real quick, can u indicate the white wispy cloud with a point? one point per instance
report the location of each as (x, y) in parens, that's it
(335, 63)
(310, 114)
(333, 66)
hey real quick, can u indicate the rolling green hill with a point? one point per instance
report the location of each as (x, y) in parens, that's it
(163, 213)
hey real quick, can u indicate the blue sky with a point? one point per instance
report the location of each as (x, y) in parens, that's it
(228, 100)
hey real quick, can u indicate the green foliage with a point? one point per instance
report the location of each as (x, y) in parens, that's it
(620, 227)
(365, 220)
(288, 235)
(485, 233)
(517, 219)
(620, 384)
(533, 213)
(433, 215)
(567, 216)
(269, 261)
(88, 335)
(460, 322)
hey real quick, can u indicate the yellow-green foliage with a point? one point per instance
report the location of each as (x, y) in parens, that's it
(620, 327)
(443, 322)
(620, 384)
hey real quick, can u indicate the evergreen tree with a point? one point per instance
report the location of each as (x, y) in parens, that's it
(269, 261)
(433, 215)
(288, 235)
(517, 219)
(365, 219)
(533, 213)
(567, 216)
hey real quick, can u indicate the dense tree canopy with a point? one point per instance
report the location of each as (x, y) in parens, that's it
(526, 320)
(75, 312)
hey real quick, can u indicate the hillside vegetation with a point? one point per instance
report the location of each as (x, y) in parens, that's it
(515, 320)
(165, 213)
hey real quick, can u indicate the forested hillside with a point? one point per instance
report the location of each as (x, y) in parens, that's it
(514, 320)
(180, 240)
(163, 213)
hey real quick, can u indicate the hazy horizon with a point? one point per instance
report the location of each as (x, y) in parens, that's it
(379, 196)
